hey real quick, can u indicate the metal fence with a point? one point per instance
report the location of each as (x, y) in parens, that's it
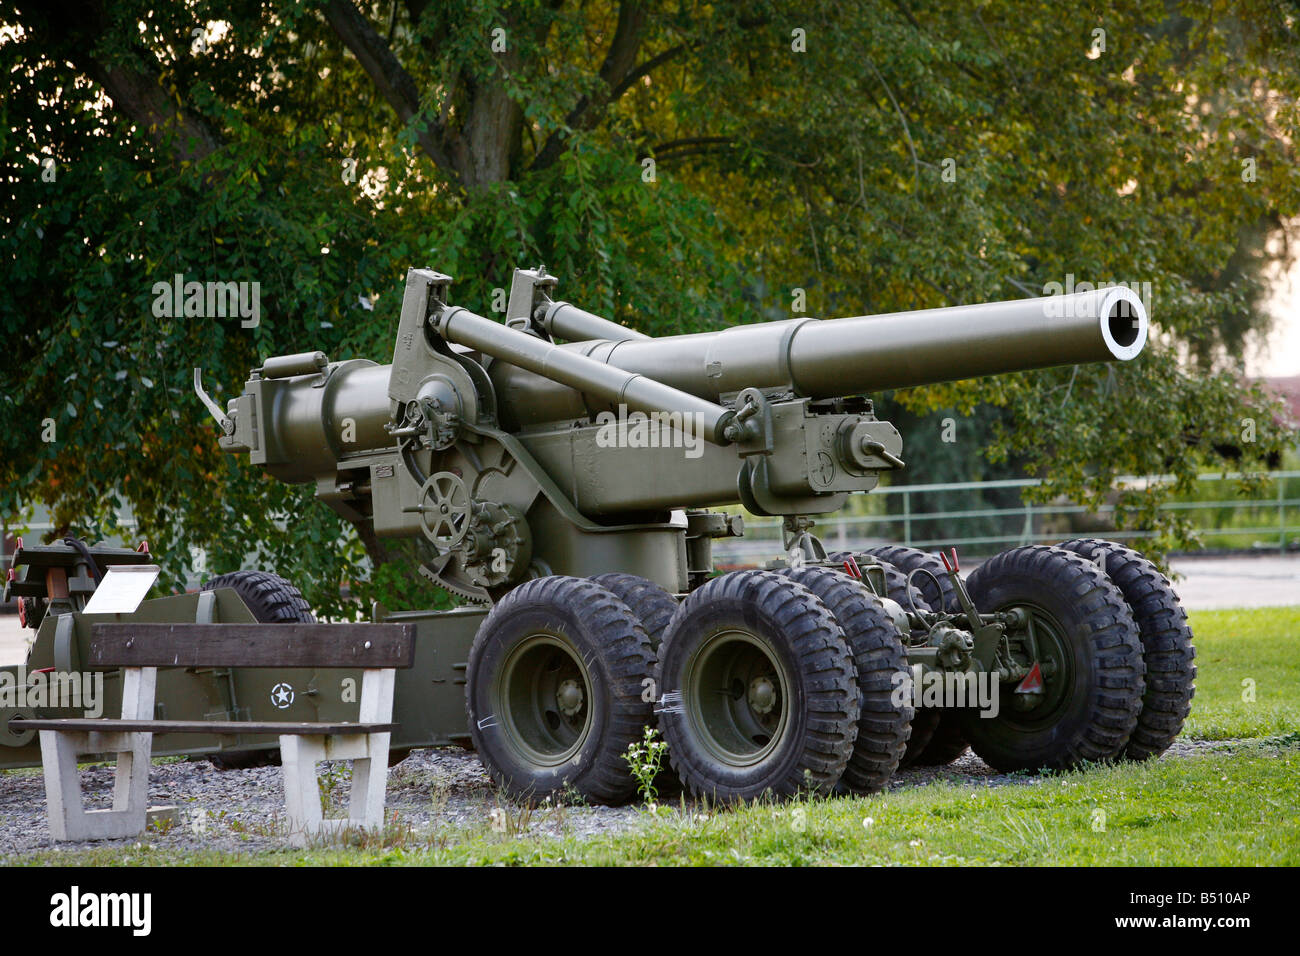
(1257, 522)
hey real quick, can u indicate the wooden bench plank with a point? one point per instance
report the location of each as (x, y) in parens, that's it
(217, 727)
(252, 645)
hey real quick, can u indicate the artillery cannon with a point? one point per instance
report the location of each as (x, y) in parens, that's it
(561, 468)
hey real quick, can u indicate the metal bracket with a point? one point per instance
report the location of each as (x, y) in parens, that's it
(205, 611)
(796, 530)
(988, 637)
(528, 290)
(754, 489)
(64, 630)
(223, 420)
(752, 429)
(422, 354)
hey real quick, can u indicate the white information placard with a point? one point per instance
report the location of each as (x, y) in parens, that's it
(122, 589)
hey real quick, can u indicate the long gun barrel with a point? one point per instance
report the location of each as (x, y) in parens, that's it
(823, 359)
(492, 438)
(827, 359)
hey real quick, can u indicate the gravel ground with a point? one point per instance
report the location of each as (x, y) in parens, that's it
(433, 792)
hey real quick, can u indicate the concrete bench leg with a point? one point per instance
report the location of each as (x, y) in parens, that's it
(298, 759)
(69, 818)
(369, 756)
(370, 784)
(299, 756)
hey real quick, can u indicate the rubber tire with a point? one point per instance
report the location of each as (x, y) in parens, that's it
(896, 588)
(1167, 648)
(272, 600)
(654, 608)
(607, 636)
(879, 655)
(924, 722)
(824, 712)
(942, 597)
(1106, 694)
(652, 605)
(947, 741)
(924, 726)
(941, 740)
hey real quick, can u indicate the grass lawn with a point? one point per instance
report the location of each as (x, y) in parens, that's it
(1234, 648)
(1234, 804)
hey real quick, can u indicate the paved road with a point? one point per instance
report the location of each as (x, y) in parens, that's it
(13, 640)
(1206, 584)
(1212, 583)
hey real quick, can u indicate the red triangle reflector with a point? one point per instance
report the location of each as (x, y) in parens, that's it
(1033, 682)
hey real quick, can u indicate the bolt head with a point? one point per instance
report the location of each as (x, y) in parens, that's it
(569, 697)
(762, 695)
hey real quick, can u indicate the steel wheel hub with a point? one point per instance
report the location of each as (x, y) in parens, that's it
(762, 695)
(738, 697)
(569, 697)
(540, 697)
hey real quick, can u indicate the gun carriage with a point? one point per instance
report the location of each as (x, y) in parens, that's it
(564, 473)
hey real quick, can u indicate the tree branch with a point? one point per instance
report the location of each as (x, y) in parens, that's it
(139, 97)
(626, 42)
(907, 15)
(651, 64)
(618, 62)
(907, 133)
(393, 82)
(68, 29)
(675, 144)
(618, 73)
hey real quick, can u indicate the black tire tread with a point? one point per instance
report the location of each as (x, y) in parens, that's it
(896, 588)
(272, 600)
(878, 653)
(943, 739)
(1167, 643)
(941, 597)
(1115, 696)
(924, 722)
(625, 650)
(652, 605)
(654, 608)
(947, 743)
(827, 664)
(924, 726)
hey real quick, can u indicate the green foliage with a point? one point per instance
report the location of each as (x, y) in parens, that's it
(916, 154)
(644, 759)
